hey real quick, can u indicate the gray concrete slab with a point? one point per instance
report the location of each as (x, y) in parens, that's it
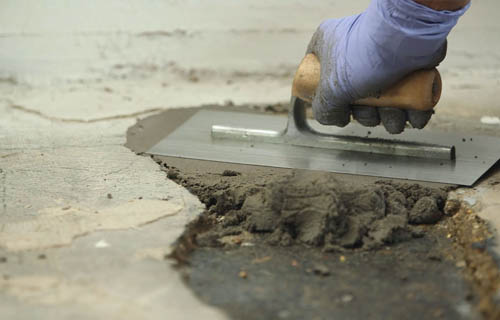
(85, 225)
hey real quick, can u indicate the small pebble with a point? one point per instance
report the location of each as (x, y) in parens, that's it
(346, 298)
(230, 173)
(490, 120)
(172, 174)
(321, 270)
(101, 244)
(451, 207)
(434, 257)
(247, 244)
(425, 211)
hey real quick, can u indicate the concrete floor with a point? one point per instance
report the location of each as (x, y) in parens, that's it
(84, 222)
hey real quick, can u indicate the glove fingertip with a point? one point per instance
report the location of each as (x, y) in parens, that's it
(366, 116)
(419, 119)
(331, 115)
(393, 119)
(338, 119)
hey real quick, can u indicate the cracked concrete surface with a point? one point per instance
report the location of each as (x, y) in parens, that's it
(75, 75)
(83, 223)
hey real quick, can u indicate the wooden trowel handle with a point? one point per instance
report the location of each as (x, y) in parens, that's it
(419, 90)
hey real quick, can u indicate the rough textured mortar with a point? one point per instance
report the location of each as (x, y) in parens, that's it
(319, 210)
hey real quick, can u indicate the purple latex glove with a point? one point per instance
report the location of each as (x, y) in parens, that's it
(364, 54)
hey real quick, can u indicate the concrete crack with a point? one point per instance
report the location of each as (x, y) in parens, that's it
(76, 120)
(3, 178)
(120, 169)
(8, 155)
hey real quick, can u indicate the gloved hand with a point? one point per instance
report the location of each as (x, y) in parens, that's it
(364, 54)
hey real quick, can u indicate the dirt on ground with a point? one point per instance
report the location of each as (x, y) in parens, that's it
(279, 243)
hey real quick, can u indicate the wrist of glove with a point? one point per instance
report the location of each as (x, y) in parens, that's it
(362, 55)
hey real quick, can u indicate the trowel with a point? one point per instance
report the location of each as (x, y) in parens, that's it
(297, 142)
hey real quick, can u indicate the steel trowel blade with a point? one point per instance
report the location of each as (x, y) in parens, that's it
(193, 140)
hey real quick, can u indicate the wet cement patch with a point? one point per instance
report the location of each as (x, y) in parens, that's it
(234, 266)
(319, 210)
